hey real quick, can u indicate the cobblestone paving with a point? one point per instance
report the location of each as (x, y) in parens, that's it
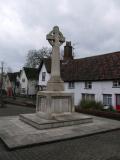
(97, 147)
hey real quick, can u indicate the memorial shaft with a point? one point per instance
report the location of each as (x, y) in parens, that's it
(56, 39)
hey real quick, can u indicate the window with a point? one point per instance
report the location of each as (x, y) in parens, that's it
(88, 85)
(43, 76)
(23, 90)
(107, 99)
(86, 96)
(71, 85)
(116, 83)
(23, 79)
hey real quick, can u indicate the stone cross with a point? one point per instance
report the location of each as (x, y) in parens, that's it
(56, 39)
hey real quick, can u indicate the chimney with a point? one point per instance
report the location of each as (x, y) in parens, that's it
(68, 51)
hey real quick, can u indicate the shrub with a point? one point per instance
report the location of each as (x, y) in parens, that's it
(90, 104)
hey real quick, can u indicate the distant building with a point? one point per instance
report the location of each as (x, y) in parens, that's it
(28, 81)
(92, 78)
(12, 85)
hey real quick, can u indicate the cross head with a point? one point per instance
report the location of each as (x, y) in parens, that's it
(55, 37)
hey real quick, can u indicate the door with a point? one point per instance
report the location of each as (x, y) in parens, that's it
(118, 101)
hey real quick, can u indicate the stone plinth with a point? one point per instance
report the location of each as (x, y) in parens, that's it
(51, 103)
(57, 121)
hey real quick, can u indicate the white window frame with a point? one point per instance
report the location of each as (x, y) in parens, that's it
(71, 85)
(107, 99)
(88, 85)
(116, 84)
(87, 96)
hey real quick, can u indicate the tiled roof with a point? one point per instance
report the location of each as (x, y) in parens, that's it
(95, 68)
(31, 73)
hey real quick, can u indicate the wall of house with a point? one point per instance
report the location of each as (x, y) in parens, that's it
(32, 87)
(43, 83)
(7, 83)
(23, 84)
(98, 88)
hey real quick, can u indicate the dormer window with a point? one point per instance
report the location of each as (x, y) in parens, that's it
(71, 85)
(116, 84)
(43, 76)
(88, 85)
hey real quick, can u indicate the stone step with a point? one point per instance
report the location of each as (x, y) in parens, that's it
(59, 121)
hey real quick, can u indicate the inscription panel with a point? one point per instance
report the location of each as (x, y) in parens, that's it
(41, 104)
(61, 104)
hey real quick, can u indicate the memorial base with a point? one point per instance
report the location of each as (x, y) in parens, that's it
(53, 110)
(51, 103)
(63, 120)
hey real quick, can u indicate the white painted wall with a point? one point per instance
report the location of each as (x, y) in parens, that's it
(43, 83)
(7, 83)
(23, 84)
(29, 85)
(17, 88)
(98, 88)
(32, 87)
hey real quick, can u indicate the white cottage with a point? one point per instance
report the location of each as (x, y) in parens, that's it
(28, 81)
(11, 83)
(94, 78)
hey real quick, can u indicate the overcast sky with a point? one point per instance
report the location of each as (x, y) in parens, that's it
(93, 26)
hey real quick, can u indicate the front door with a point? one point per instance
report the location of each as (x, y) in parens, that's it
(118, 102)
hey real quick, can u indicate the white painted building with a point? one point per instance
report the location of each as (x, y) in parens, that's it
(28, 81)
(96, 78)
(11, 83)
(102, 91)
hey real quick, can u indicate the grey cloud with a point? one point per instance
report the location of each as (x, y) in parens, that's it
(92, 25)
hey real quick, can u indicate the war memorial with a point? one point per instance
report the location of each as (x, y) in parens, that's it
(55, 118)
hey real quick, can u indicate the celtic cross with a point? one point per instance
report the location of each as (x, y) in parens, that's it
(56, 39)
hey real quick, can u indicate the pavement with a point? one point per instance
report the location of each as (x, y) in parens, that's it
(105, 146)
(14, 110)
(22, 101)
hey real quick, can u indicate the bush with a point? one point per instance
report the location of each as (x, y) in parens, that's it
(90, 104)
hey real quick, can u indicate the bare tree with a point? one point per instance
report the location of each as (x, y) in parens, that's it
(34, 57)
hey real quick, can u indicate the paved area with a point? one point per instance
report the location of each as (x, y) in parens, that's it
(16, 133)
(23, 101)
(12, 110)
(96, 147)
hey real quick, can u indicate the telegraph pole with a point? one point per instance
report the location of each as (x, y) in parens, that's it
(2, 102)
